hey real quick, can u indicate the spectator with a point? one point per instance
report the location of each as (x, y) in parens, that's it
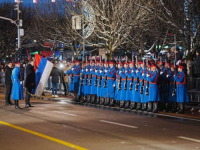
(196, 64)
(55, 73)
(66, 78)
(8, 83)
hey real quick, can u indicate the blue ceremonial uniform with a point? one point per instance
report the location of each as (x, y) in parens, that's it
(81, 84)
(171, 87)
(123, 91)
(104, 89)
(111, 78)
(129, 91)
(100, 76)
(154, 95)
(117, 91)
(143, 77)
(164, 88)
(181, 91)
(17, 89)
(86, 86)
(136, 94)
(71, 84)
(94, 73)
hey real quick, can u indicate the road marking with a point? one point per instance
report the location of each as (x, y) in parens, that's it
(65, 113)
(119, 124)
(179, 117)
(44, 136)
(190, 139)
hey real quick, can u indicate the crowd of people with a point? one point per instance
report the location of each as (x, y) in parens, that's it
(148, 85)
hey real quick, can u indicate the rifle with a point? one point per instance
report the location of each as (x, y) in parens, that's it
(125, 84)
(100, 81)
(72, 78)
(82, 78)
(120, 83)
(86, 79)
(142, 87)
(131, 84)
(95, 84)
(138, 81)
(147, 87)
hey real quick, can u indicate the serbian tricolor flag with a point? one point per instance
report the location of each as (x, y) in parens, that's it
(43, 69)
(34, 1)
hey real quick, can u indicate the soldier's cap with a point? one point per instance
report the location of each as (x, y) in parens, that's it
(97, 61)
(130, 62)
(72, 62)
(159, 62)
(92, 61)
(172, 66)
(167, 63)
(17, 63)
(88, 61)
(120, 63)
(111, 62)
(149, 65)
(181, 66)
(77, 61)
(154, 65)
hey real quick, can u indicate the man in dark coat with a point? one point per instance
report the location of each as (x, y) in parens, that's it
(29, 82)
(196, 64)
(8, 83)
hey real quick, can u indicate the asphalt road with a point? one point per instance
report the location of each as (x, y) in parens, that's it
(60, 125)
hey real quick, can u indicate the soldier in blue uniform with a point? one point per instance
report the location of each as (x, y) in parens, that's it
(142, 77)
(94, 82)
(81, 84)
(99, 83)
(104, 83)
(109, 87)
(17, 89)
(130, 80)
(118, 82)
(71, 84)
(136, 86)
(87, 73)
(181, 91)
(154, 95)
(75, 77)
(172, 99)
(124, 90)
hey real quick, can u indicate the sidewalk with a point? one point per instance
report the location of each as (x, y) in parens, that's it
(195, 114)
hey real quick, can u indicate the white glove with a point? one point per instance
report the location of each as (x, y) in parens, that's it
(137, 71)
(86, 69)
(21, 82)
(120, 71)
(126, 71)
(148, 75)
(174, 75)
(132, 71)
(113, 85)
(143, 74)
(106, 70)
(100, 71)
(90, 69)
(167, 75)
(96, 71)
(161, 73)
(82, 70)
(72, 68)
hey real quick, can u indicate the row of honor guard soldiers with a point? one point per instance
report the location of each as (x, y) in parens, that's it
(145, 86)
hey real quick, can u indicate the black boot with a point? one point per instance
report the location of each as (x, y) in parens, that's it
(121, 105)
(88, 98)
(107, 101)
(166, 107)
(127, 104)
(93, 99)
(144, 107)
(101, 100)
(155, 107)
(17, 104)
(133, 105)
(75, 97)
(78, 98)
(98, 100)
(112, 102)
(181, 108)
(138, 106)
(173, 107)
(149, 107)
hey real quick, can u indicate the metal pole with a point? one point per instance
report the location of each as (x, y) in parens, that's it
(18, 26)
(83, 36)
(175, 49)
